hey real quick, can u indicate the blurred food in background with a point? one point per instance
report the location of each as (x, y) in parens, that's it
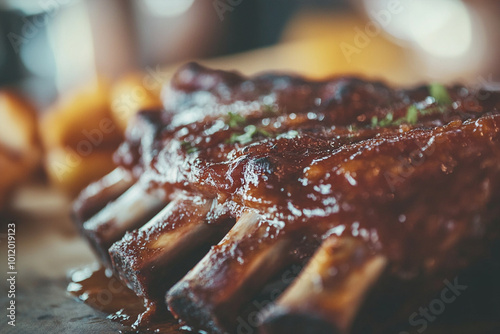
(90, 65)
(444, 40)
(337, 53)
(19, 145)
(134, 92)
(79, 136)
(81, 131)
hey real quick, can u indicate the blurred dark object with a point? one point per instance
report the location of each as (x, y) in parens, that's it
(25, 54)
(52, 46)
(11, 69)
(254, 24)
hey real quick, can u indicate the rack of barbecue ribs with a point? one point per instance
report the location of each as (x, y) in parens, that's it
(367, 189)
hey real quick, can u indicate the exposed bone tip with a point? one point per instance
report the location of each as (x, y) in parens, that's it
(183, 304)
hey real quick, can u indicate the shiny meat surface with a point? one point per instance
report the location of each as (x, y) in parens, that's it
(348, 176)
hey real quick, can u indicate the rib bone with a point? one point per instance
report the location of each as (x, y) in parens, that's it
(327, 295)
(98, 194)
(158, 254)
(210, 296)
(132, 209)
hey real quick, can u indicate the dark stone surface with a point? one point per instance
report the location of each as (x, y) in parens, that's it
(44, 306)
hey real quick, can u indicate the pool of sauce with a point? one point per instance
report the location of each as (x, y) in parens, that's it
(97, 288)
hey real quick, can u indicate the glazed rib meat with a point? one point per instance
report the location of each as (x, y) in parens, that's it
(238, 178)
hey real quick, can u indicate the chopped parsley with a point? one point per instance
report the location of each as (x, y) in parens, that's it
(247, 136)
(440, 94)
(412, 114)
(383, 122)
(411, 117)
(235, 120)
(292, 134)
(188, 147)
(437, 91)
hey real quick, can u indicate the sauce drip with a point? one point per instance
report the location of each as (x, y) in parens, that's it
(96, 287)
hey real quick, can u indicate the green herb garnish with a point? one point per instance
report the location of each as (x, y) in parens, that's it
(411, 116)
(440, 94)
(247, 136)
(288, 135)
(383, 122)
(264, 133)
(188, 147)
(437, 91)
(387, 120)
(235, 120)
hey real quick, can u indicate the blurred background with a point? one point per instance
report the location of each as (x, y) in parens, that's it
(50, 46)
(73, 72)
